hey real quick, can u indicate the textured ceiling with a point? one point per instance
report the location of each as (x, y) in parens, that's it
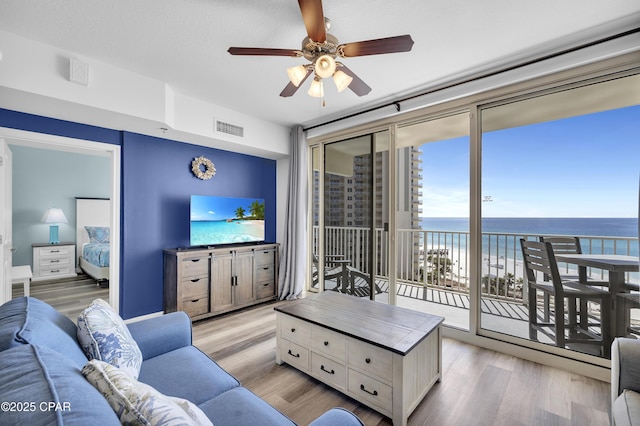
(184, 42)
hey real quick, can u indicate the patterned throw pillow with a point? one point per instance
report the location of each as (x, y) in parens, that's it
(98, 234)
(136, 403)
(103, 335)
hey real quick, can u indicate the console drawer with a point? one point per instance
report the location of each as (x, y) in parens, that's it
(196, 306)
(195, 286)
(329, 370)
(295, 330)
(195, 266)
(329, 343)
(265, 257)
(294, 354)
(264, 273)
(265, 289)
(370, 359)
(369, 389)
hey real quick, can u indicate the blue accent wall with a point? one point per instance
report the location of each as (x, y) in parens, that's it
(156, 187)
(158, 184)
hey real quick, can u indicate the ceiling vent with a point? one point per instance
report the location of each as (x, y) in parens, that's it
(229, 129)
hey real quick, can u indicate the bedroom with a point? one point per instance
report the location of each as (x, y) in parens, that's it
(44, 178)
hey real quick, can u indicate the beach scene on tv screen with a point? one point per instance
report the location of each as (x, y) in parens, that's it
(226, 220)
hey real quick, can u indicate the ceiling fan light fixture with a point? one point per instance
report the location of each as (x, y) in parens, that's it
(342, 80)
(325, 66)
(297, 74)
(316, 90)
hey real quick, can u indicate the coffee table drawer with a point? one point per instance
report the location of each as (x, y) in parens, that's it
(370, 359)
(296, 330)
(329, 370)
(329, 343)
(371, 390)
(295, 355)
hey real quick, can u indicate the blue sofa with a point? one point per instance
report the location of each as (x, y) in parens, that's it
(41, 380)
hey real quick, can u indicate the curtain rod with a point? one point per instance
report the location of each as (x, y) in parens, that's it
(396, 103)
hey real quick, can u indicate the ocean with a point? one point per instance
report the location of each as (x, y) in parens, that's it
(590, 230)
(593, 227)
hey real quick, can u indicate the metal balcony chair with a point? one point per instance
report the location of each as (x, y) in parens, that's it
(562, 329)
(349, 280)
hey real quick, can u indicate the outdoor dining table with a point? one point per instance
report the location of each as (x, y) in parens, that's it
(616, 265)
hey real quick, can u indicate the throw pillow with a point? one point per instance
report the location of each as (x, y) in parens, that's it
(103, 335)
(98, 234)
(140, 404)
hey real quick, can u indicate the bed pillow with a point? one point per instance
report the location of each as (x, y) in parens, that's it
(139, 403)
(98, 234)
(104, 336)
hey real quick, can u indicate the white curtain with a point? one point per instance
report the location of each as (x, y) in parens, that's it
(294, 247)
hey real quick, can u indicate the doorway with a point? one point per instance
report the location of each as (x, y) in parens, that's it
(58, 143)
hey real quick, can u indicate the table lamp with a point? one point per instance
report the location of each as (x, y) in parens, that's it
(54, 216)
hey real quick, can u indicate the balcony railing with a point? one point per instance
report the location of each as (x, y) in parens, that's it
(440, 259)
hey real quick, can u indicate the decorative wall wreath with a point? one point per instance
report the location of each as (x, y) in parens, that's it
(209, 169)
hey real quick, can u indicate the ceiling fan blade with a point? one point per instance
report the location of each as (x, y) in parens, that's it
(264, 52)
(313, 18)
(357, 86)
(379, 46)
(290, 89)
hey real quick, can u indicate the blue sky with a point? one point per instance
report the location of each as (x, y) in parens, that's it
(218, 208)
(585, 166)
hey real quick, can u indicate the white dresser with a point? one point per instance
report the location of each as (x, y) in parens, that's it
(53, 261)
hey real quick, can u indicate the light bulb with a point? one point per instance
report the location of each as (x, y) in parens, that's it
(325, 66)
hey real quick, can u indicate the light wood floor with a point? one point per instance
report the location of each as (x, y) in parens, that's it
(69, 296)
(478, 387)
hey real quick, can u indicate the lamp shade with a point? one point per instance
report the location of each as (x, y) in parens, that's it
(342, 80)
(54, 215)
(316, 90)
(296, 74)
(325, 66)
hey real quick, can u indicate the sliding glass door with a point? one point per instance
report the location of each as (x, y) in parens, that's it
(350, 236)
(560, 165)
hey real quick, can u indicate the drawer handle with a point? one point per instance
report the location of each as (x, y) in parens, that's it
(55, 251)
(367, 360)
(195, 260)
(194, 301)
(55, 261)
(374, 393)
(291, 353)
(266, 285)
(327, 371)
(265, 268)
(293, 330)
(196, 280)
(326, 343)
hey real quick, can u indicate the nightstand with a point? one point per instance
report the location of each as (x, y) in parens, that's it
(53, 261)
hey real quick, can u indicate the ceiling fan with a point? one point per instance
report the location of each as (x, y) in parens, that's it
(321, 49)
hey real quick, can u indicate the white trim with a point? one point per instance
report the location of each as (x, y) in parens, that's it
(61, 143)
(144, 317)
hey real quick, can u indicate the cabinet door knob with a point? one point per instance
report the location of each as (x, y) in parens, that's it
(293, 330)
(326, 343)
(367, 360)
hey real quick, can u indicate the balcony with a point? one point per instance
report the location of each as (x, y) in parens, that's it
(433, 270)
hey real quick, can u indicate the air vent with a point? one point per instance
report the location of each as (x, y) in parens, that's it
(229, 129)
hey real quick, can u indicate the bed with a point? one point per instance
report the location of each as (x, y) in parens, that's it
(93, 238)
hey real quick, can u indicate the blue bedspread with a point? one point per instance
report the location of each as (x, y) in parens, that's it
(97, 254)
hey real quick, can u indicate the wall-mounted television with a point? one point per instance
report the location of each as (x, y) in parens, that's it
(226, 220)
